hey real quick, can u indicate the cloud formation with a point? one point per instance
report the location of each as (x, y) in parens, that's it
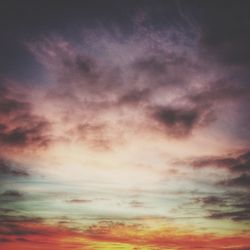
(19, 127)
(111, 95)
(8, 169)
(179, 122)
(237, 164)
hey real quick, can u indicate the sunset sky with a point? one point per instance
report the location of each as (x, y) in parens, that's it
(125, 125)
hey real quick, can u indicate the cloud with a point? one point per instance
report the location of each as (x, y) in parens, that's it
(12, 193)
(147, 84)
(229, 205)
(20, 225)
(166, 237)
(8, 169)
(235, 163)
(109, 233)
(157, 71)
(211, 201)
(121, 76)
(163, 68)
(240, 215)
(79, 201)
(94, 134)
(7, 210)
(242, 180)
(19, 127)
(9, 106)
(25, 136)
(11, 196)
(19, 219)
(179, 122)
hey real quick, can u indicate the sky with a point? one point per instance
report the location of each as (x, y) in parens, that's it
(125, 125)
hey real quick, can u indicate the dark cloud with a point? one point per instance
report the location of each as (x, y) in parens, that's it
(230, 205)
(79, 201)
(21, 228)
(240, 215)
(7, 210)
(30, 134)
(178, 122)
(211, 201)
(20, 225)
(9, 169)
(79, 70)
(237, 163)
(20, 127)
(85, 66)
(19, 218)
(8, 106)
(12, 193)
(11, 196)
(239, 181)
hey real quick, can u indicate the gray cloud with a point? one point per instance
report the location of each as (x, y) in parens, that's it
(11, 196)
(79, 201)
(242, 180)
(12, 193)
(243, 215)
(180, 122)
(20, 127)
(230, 205)
(237, 163)
(9, 169)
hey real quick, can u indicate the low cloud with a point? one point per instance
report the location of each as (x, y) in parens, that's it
(211, 201)
(242, 180)
(236, 163)
(9, 169)
(79, 201)
(11, 196)
(230, 205)
(242, 215)
(12, 193)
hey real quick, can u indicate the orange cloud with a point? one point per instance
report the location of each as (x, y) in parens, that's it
(106, 235)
